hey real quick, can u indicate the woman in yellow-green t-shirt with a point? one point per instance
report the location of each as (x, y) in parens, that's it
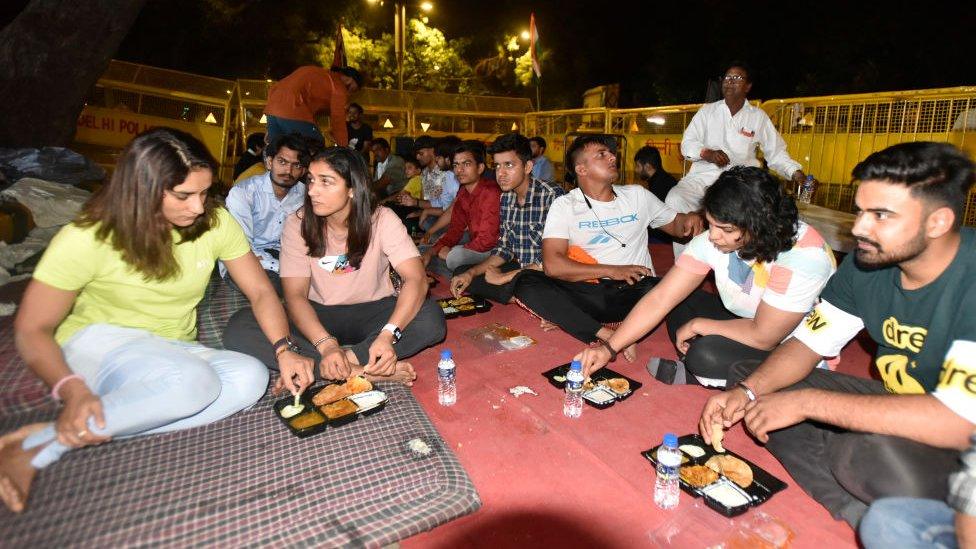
(109, 320)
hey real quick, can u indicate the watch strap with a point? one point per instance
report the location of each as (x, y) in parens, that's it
(395, 330)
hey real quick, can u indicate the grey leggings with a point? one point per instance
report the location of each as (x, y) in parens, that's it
(355, 325)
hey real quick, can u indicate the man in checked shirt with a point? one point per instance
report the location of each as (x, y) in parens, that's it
(524, 204)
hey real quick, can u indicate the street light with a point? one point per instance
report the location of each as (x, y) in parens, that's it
(400, 32)
(525, 35)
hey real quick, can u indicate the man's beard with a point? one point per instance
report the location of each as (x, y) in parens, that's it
(880, 258)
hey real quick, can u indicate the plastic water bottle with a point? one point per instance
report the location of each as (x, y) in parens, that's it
(446, 386)
(806, 190)
(668, 461)
(573, 405)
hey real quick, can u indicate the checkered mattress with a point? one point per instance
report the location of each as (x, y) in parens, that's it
(246, 480)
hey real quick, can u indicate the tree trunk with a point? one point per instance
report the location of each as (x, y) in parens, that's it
(51, 56)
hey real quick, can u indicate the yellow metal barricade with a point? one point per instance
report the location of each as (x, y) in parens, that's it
(829, 135)
(131, 98)
(554, 126)
(395, 113)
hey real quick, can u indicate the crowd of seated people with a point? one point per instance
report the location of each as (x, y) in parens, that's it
(327, 232)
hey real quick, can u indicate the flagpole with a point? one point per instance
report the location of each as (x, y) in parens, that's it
(535, 55)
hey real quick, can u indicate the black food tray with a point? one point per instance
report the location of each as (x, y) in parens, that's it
(763, 486)
(599, 375)
(479, 305)
(306, 399)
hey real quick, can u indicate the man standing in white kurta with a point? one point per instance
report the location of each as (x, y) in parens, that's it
(725, 134)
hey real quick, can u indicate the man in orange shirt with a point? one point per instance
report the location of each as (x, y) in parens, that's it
(295, 100)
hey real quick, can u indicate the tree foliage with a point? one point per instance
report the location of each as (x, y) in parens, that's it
(431, 63)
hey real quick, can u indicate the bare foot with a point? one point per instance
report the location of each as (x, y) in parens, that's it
(16, 472)
(547, 326)
(403, 373)
(630, 353)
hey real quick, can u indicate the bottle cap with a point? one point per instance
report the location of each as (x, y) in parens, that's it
(445, 354)
(576, 365)
(671, 440)
(810, 177)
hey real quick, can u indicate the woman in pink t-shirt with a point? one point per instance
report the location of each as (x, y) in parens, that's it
(336, 254)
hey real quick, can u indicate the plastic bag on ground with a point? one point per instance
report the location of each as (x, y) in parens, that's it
(56, 164)
(52, 204)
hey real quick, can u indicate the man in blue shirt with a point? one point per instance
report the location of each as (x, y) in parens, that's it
(262, 202)
(541, 166)
(524, 204)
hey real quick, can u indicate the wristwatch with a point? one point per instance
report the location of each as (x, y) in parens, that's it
(393, 329)
(285, 344)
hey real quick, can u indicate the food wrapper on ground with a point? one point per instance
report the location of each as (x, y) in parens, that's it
(495, 338)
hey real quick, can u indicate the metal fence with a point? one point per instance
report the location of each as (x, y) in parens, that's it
(827, 135)
(395, 113)
(131, 98)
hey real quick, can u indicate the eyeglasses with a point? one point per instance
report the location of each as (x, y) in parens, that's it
(733, 78)
(282, 163)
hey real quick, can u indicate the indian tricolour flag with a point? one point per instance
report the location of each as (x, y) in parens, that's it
(534, 46)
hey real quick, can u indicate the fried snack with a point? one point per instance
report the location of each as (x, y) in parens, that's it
(733, 468)
(698, 475)
(331, 394)
(306, 420)
(588, 384)
(619, 385)
(462, 301)
(338, 409)
(358, 384)
(717, 434)
(465, 307)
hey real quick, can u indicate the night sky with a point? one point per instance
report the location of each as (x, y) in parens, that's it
(660, 53)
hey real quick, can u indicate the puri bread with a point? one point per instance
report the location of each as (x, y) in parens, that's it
(358, 384)
(698, 475)
(733, 468)
(331, 394)
(618, 385)
(338, 409)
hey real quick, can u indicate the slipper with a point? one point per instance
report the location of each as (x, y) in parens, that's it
(670, 372)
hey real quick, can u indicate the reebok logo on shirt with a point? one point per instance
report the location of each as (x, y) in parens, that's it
(609, 222)
(599, 239)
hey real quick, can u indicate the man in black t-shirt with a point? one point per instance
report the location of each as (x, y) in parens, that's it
(846, 440)
(360, 133)
(648, 166)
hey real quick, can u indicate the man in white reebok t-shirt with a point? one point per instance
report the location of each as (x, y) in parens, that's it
(594, 246)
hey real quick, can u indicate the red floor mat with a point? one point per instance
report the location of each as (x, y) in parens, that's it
(545, 479)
